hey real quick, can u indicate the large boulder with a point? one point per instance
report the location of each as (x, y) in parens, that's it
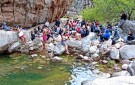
(121, 80)
(31, 12)
(127, 52)
(131, 68)
(114, 53)
(75, 43)
(7, 38)
(58, 49)
(128, 26)
(14, 47)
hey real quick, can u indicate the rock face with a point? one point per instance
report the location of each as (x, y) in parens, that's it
(31, 12)
(128, 26)
(78, 5)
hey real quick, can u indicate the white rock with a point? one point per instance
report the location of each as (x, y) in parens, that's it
(108, 42)
(120, 80)
(121, 73)
(104, 75)
(124, 66)
(93, 49)
(58, 49)
(14, 47)
(114, 53)
(127, 52)
(57, 59)
(104, 61)
(95, 42)
(75, 43)
(131, 68)
(94, 63)
(117, 45)
(94, 55)
(34, 55)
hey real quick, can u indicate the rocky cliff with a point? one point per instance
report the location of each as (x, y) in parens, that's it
(31, 12)
(78, 5)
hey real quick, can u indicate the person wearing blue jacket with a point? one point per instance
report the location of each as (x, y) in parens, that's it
(105, 36)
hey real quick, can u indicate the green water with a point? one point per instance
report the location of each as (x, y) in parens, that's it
(21, 69)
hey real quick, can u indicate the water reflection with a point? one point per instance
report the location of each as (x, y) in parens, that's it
(80, 74)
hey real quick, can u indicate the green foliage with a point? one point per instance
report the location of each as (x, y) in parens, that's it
(109, 10)
(111, 64)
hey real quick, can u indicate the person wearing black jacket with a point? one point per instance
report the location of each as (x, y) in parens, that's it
(123, 18)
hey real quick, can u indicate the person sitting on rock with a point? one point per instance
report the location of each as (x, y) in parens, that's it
(32, 35)
(84, 31)
(5, 27)
(116, 35)
(21, 35)
(130, 36)
(109, 27)
(105, 36)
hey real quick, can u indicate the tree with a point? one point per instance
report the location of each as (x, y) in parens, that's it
(109, 10)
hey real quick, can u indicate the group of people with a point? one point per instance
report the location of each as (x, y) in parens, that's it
(77, 29)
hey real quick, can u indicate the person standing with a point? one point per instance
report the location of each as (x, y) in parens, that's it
(44, 38)
(123, 18)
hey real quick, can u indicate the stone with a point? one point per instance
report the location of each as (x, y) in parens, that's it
(120, 80)
(108, 42)
(56, 59)
(39, 67)
(117, 45)
(14, 47)
(75, 43)
(85, 48)
(104, 49)
(127, 52)
(94, 63)
(58, 49)
(34, 55)
(80, 57)
(93, 49)
(104, 75)
(114, 54)
(96, 71)
(121, 73)
(117, 68)
(125, 62)
(104, 61)
(95, 42)
(124, 66)
(94, 55)
(131, 68)
(32, 12)
(128, 26)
